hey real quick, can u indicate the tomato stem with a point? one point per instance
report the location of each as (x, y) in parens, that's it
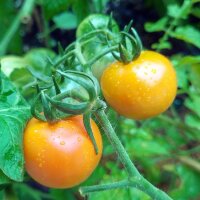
(135, 178)
(109, 186)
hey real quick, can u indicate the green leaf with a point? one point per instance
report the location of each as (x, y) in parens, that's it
(100, 5)
(196, 12)
(14, 113)
(23, 192)
(51, 8)
(7, 14)
(181, 72)
(194, 76)
(189, 184)
(192, 121)
(162, 45)
(176, 11)
(65, 20)
(81, 8)
(10, 63)
(188, 34)
(189, 60)
(3, 178)
(193, 103)
(157, 26)
(62, 194)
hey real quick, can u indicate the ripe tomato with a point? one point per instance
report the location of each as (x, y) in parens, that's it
(60, 155)
(141, 89)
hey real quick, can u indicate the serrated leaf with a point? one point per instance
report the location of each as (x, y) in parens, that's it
(14, 113)
(188, 34)
(176, 11)
(65, 20)
(157, 26)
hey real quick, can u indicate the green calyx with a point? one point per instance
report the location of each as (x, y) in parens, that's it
(52, 106)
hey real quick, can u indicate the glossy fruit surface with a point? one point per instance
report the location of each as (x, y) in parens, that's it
(141, 89)
(60, 155)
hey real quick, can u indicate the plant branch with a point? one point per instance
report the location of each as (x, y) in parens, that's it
(109, 186)
(135, 178)
(23, 15)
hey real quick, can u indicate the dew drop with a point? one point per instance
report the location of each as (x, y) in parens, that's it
(62, 143)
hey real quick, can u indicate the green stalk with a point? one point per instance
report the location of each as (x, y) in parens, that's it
(135, 178)
(116, 143)
(23, 14)
(103, 187)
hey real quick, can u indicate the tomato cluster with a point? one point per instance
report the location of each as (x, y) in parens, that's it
(61, 154)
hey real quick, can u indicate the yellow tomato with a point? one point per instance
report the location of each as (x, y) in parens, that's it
(142, 88)
(61, 154)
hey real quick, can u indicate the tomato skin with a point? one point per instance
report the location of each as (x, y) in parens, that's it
(60, 155)
(142, 88)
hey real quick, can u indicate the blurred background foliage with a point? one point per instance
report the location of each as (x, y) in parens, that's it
(166, 149)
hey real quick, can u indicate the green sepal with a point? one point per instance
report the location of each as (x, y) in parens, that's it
(124, 54)
(60, 49)
(46, 108)
(34, 112)
(70, 108)
(57, 89)
(70, 93)
(82, 80)
(87, 124)
(112, 52)
(138, 43)
(110, 25)
(128, 27)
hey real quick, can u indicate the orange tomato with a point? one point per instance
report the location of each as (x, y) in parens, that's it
(61, 154)
(142, 88)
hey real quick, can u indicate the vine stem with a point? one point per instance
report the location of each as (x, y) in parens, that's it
(135, 178)
(23, 14)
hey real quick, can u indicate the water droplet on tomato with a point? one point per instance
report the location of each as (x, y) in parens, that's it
(62, 143)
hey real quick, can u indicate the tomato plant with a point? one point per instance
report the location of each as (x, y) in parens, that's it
(141, 89)
(57, 85)
(61, 154)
